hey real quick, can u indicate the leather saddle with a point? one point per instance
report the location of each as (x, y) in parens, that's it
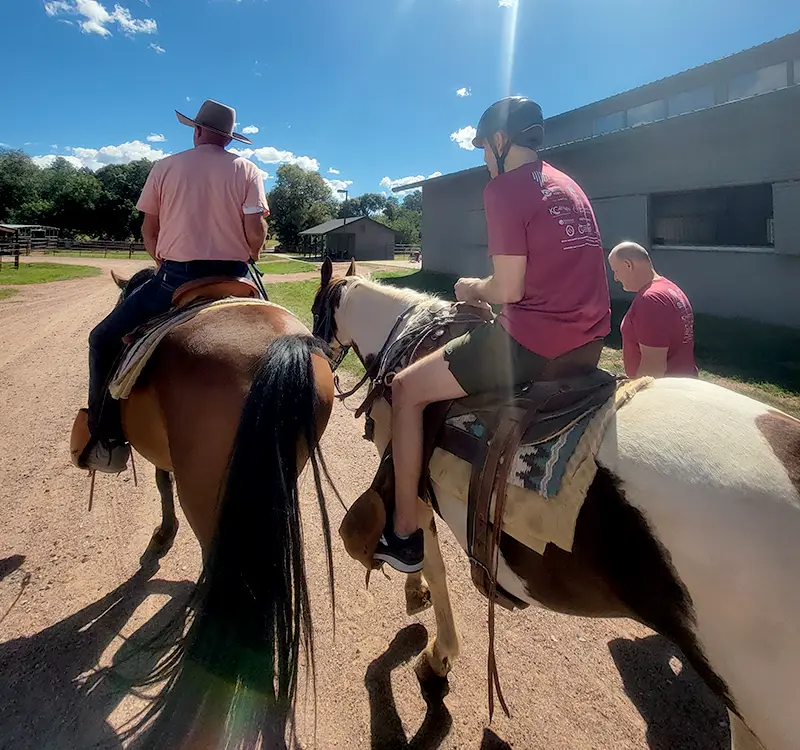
(570, 386)
(214, 287)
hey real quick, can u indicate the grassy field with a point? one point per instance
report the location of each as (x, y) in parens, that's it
(7, 293)
(139, 255)
(38, 273)
(759, 360)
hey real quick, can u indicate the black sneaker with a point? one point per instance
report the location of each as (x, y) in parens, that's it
(405, 555)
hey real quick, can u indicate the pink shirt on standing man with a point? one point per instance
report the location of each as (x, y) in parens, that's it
(542, 213)
(200, 196)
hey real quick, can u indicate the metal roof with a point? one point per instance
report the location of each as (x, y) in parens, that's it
(15, 227)
(329, 226)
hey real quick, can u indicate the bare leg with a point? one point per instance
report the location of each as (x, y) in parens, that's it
(741, 737)
(441, 654)
(164, 535)
(425, 382)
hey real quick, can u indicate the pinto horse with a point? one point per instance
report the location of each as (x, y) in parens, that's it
(691, 525)
(233, 404)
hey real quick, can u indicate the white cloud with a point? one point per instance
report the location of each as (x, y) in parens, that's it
(188, 98)
(157, 48)
(272, 155)
(464, 92)
(95, 158)
(97, 19)
(336, 185)
(5, 145)
(156, 138)
(250, 130)
(506, 3)
(464, 137)
(390, 184)
(54, 146)
(333, 171)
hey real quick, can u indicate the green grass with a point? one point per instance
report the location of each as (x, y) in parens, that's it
(280, 266)
(759, 360)
(7, 293)
(39, 273)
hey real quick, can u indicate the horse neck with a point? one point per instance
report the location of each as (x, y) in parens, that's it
(368, 313)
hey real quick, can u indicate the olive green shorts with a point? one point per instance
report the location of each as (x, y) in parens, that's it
(487, 359)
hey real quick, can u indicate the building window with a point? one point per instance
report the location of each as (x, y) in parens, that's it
(720, 217)
(758, 82)
(691, 101)
(644, 113)
(609, 123)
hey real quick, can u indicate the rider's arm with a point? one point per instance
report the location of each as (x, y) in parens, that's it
(653, 362)
(507, 283)
(255, 230)
(150, 229)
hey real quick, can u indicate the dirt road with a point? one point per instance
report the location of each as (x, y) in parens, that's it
(70, 594)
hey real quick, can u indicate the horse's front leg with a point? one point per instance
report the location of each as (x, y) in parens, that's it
(164, 536)
(418, 595)
(444, 648)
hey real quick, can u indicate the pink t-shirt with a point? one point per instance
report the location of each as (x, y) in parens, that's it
(660, 316)
(537, 211)
(200, 196)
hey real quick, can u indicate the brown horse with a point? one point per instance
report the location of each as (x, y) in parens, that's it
(233, 403)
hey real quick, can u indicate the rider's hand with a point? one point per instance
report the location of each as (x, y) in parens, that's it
(465, 290)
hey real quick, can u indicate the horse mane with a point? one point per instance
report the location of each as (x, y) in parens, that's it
(427, 305)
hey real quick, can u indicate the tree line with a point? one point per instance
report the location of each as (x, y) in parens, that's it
(102, 204)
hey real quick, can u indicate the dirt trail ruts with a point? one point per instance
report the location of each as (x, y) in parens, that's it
(70, 580)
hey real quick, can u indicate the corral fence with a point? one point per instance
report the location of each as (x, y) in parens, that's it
(54, 245)
(414, 252)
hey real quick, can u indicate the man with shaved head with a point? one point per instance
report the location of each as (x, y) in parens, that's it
(658, 329)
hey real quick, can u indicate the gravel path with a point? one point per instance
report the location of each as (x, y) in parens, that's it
(69, 595)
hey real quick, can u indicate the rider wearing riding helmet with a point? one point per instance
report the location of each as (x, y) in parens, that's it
(549, 276)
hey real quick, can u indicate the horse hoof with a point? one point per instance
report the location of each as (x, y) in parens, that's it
(160, 543)
(432, 679)
(418, 599)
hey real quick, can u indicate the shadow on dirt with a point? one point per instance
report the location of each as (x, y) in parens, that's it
(9, 564)
(680, 710)
(387, 729)
(50, 696)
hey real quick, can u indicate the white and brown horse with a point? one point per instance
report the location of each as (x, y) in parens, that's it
(691, 526)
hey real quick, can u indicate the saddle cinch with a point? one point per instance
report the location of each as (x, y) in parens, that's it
(571, 387)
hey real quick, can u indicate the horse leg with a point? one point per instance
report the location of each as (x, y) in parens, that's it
(440, 654)
(741, 737)
(164, 535)
(418, 595)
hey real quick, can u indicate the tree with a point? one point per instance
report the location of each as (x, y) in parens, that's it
(18, 183)
(413, 201)
(363, 205)
(299, 200)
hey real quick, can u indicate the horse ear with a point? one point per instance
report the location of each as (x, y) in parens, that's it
(326, 272)
(351, 271)
(119, 281)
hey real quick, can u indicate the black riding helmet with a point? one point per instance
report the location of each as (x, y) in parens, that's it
(516, 116)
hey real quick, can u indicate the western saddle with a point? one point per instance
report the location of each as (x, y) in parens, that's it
(214, 287)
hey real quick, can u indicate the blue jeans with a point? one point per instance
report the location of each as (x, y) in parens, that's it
(152, 298)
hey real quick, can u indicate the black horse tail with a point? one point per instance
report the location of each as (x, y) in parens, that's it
(236, 670)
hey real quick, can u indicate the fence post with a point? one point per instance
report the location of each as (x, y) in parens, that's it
(16, 260)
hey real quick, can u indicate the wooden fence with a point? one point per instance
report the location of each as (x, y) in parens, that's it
(52, 246)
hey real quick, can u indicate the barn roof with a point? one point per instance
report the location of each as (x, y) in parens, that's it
(329, 226)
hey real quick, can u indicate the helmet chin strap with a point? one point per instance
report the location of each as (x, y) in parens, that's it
(500, 158)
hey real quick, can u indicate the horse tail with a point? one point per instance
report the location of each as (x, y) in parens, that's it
(236, 671)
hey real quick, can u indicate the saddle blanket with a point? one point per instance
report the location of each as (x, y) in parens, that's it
(145, 339)
(548, 480)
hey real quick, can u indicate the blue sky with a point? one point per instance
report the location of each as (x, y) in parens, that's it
(364, 87)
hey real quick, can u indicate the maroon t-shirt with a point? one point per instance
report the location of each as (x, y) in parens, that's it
(537, 211)
(660, 316)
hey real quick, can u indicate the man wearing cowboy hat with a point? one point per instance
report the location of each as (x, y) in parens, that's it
(205, 212)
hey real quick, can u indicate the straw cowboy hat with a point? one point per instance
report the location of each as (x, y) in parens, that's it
(216, 117)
